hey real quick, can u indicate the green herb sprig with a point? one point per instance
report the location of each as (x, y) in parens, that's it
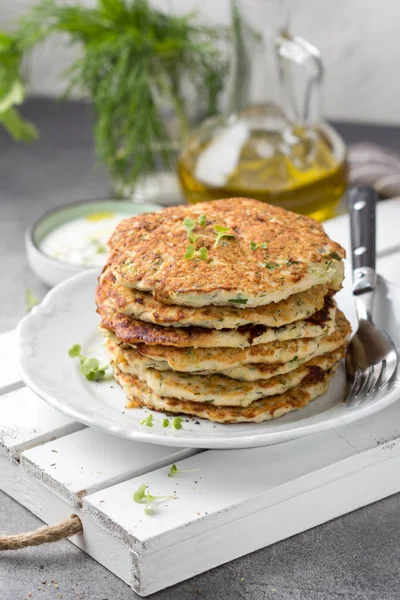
(177, 423)
(175, 471)
(189, 224)
(147, 421)
(191, 252)
(254, 246)
(221, 233)
(89, 367)
(143, 496)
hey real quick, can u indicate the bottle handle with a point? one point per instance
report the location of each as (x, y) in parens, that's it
(299, 64)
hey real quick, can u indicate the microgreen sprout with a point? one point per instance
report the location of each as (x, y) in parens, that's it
(30, 300)
(222, 232)
(177, 423)
(189, 224)
(254, 246)
(203, 253)
(143, 496)
(174, 470)
(147, 421)
(190, 252)
(202, 220)
(165, 423)
(89, 367)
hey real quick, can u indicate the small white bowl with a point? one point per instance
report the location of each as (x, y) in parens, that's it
(52, 271)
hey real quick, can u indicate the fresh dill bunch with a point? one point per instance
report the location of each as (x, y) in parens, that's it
(134, 60)
(12, 90)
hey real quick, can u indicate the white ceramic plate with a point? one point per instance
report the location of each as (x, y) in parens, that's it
(67, 316)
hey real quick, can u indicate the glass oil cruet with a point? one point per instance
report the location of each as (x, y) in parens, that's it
(270, 143)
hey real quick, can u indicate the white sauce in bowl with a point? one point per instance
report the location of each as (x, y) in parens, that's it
(82, 241)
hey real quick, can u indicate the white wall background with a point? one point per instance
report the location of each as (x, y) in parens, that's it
(359, 41)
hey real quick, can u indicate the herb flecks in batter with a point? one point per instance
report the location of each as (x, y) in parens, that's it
(143, 496)
(238, 300)
(271, 266)
(221, 233)
(89, 367)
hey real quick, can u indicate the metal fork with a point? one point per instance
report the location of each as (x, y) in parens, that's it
(371, 358)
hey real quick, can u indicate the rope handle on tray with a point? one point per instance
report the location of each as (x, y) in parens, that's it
(43, 535)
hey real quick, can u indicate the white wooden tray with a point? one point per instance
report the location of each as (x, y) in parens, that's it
(55, 467)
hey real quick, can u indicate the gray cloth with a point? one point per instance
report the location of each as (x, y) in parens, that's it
(376, 166)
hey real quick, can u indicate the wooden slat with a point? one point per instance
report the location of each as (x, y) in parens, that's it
(89, 460)
(50, 508)
(26, 421)
(255, 496)
(298, 513)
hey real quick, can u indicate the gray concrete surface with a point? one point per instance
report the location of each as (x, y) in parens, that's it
(356, 557)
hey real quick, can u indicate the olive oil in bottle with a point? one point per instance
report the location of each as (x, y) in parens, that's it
(266, 172)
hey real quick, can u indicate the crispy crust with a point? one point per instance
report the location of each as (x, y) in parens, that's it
(217, 389)
(147, 253)
(134, 331)
(139, 394)
(217, 359)
(143, 306)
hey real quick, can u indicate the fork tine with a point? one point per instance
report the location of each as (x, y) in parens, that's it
(375, 377)
(350, 399)
(385, 378)
(363, 381)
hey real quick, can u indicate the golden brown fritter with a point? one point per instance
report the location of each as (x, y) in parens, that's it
(134, 331)
(264, 255)
(315, 384)
(143, 306)
(221, 359)
(217, 389)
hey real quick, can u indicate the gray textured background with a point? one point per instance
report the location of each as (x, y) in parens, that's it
(356, 557)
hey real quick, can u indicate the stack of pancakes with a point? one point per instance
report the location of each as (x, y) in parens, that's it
(222, 310)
